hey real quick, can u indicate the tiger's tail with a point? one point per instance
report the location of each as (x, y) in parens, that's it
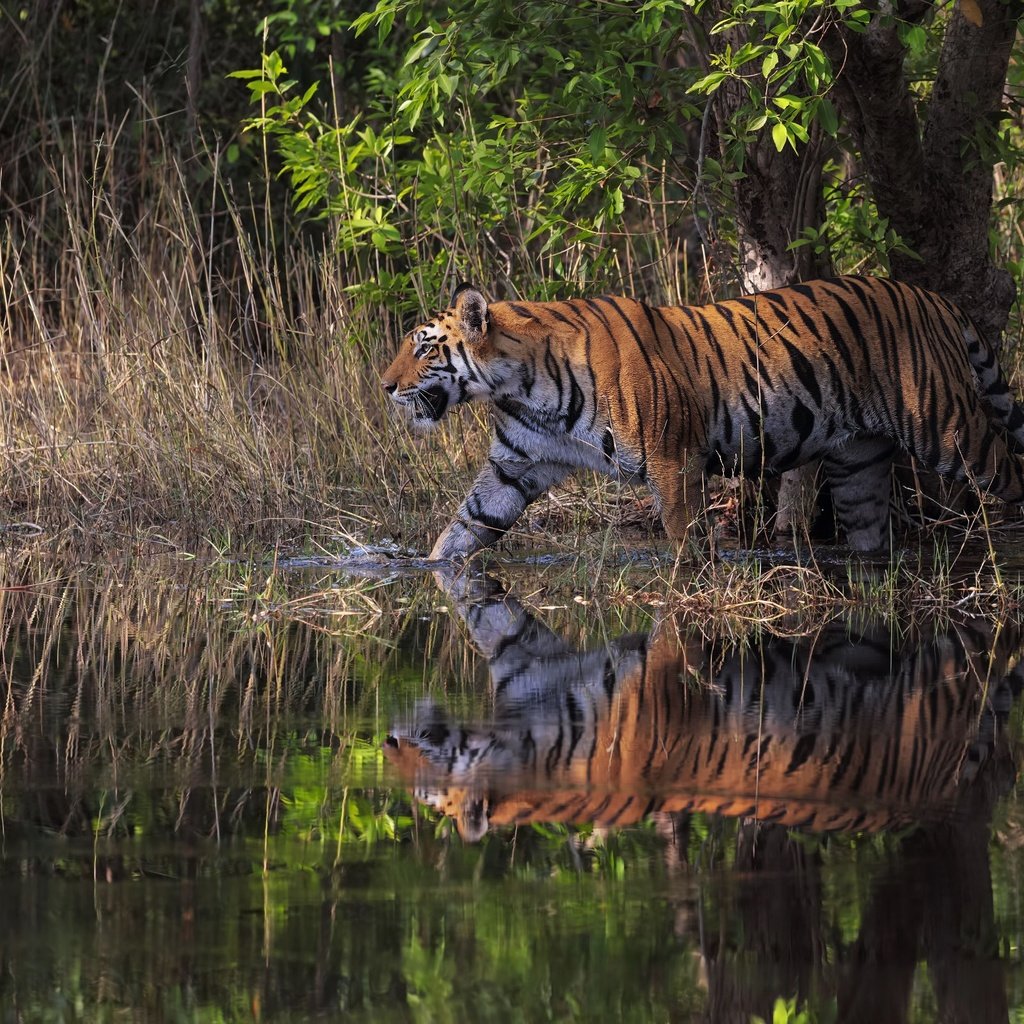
(992, 384)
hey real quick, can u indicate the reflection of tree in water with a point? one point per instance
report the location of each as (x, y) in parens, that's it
(846, 731)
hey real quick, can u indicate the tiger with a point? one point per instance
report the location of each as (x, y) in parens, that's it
(846, 371)
(837, 732)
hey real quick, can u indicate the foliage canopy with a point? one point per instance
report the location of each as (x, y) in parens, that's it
(547, 146)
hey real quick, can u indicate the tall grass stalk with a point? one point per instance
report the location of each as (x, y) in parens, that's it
(166, 373)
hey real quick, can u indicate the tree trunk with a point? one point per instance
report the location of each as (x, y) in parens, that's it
(777, 197)
(934, 181)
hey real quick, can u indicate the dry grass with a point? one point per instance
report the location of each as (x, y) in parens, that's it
(174, 371)
(153, 385)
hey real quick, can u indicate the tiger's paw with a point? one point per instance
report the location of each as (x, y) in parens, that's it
(461, 540)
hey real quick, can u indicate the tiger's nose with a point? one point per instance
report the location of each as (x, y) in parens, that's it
(388, 386)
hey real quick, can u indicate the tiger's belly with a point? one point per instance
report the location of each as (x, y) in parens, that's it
(774, 437)
(741, 437)
(737, 442)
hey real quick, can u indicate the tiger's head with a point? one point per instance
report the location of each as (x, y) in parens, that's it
(439, 363)
(449, 766)
(465, 805)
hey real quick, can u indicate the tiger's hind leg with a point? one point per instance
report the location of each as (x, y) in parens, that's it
(859, 475)
(971, 449)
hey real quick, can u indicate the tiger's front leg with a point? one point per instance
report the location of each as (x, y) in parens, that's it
(496, 500)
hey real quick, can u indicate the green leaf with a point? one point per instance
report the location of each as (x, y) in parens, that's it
(827, 117)
(915, 39)
(258, 89)
(363, 22)
(709, 83)
(712, 169)
(382, 239)
(426, 46)
(780, 135)
(274, 65)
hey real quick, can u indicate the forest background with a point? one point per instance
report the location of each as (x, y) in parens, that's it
(219, 221)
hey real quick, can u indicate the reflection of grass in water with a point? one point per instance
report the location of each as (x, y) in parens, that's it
(167, 698)
(252, 702)
(170, 697)
(236, 712)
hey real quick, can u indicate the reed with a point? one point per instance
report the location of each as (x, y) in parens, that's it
(172, 374)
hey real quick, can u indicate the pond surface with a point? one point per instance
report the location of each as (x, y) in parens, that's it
(295, 796)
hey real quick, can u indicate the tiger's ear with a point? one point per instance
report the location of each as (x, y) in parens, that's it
(471, 309)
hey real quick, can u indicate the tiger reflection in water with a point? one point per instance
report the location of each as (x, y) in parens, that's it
(845, 730)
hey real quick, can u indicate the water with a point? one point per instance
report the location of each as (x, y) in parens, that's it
(281, 796)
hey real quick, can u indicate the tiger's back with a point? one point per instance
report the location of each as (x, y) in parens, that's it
(847, 371)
